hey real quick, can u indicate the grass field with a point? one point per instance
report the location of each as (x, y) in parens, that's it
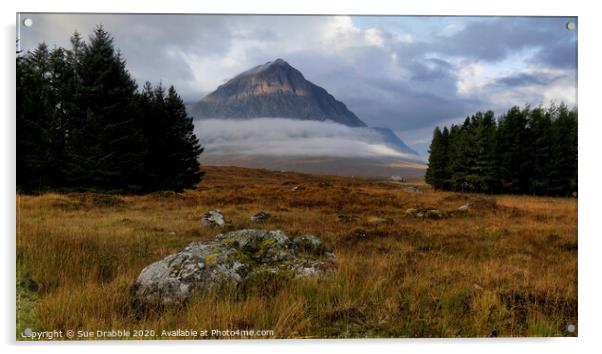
(507, 267)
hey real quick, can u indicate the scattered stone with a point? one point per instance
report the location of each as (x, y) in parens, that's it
(359, 234)
(412, 189)
(230, 259)
(411, 212)
(261, 216)
(345, 219)
(213, 218)
(434, 214)
(424, 213)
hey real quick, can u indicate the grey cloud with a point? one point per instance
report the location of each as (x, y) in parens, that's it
(524, 79)
(494, 39)
(562, 54)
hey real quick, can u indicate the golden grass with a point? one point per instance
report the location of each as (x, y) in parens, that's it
(508, 269)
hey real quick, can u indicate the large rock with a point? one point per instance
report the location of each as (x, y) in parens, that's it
(230, 259)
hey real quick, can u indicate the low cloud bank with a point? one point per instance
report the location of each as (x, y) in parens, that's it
(290, 137)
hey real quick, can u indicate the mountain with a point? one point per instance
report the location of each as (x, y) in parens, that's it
(274, 89)
(277, 90)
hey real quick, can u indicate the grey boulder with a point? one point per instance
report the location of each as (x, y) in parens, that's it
(230, 259)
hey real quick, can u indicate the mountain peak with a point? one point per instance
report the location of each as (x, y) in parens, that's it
(270, 65)
(273, 89)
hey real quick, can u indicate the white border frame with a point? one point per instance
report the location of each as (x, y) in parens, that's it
(589, 172)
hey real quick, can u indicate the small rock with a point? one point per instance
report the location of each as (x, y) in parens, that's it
(324, 184)
(411, 212)
(261, 216)
(359, 234)
(464, 207)
(213, 218)
(295, 188)
(412, 189)
(434, 214)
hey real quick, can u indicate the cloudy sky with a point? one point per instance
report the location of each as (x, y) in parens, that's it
(405, 73)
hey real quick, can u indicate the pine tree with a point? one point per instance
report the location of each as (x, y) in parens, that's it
(512, 151)
(183, 145)
(109, 147)
(540, 125)
(460, 152)
(436, 173)
(482, 174)
(563, 168)
(35, 120)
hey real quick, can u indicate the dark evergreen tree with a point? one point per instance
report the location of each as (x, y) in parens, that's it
(482, 168)
(540, 125)
(109, 150)
(183, 146)
(436, 173)
(512, 151)
(35, 121)
(563, 169)
(460, 157)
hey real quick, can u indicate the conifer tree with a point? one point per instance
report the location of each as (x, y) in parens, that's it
(110, 147)
(436, 173)
(35, 117)
(512, 151)
(563, 169)
(540, 124)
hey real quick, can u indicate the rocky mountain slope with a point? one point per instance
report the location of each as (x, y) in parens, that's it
(274, 89)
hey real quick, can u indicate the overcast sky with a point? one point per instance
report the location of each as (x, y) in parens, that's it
(405, 73)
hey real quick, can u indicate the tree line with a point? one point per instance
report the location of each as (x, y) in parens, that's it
(83, 124)
(524, 151)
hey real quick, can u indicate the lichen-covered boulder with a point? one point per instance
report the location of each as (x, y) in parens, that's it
(230, 259)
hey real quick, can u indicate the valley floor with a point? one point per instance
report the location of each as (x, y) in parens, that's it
(506, 267)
